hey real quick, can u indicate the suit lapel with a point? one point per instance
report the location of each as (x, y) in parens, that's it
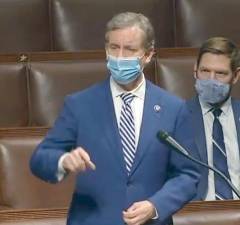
(151, 122)
(108, 121)
(198, 125)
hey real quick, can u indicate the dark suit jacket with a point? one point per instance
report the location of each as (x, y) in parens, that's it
(200, 138)
(160, 175)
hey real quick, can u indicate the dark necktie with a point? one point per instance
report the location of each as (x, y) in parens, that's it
(222, 189)
(127, 130)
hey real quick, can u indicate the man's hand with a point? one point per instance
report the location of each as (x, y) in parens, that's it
(139, 213)
(78, 160)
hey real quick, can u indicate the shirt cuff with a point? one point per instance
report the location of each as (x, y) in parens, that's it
(61, 172)
(156, 214)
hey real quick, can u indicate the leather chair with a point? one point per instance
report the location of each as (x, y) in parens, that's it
(74, 29)
(175, 74)
(50, 82)
(64, 25)
(13, 94)
(46, 216)
(19, 188)
(24, 26)
(196, 21)
(209, 212)
(209, 217)
(40, 221)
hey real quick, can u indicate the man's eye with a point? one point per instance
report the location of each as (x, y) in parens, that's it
(131, 49)
(221, 73)
(113, 47)
(204, 71)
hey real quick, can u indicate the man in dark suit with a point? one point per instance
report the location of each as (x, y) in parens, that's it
(107, 135)
(216, 117)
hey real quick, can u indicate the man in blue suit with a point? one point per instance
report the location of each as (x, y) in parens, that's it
(107, 135)
(216, 71)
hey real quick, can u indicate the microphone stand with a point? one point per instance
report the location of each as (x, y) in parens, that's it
(219, 173)
(164, 136)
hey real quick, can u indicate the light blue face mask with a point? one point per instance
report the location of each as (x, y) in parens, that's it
(212, 91)
(124, 70)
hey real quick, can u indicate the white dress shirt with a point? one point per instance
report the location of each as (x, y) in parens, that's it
(136, 104)
(231, 144)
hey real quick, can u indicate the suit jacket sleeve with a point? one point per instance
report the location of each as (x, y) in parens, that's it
(59, 140)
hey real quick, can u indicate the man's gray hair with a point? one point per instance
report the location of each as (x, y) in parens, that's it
(130, 19)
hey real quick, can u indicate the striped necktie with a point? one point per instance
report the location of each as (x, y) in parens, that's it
(222, 189)
(127, 130)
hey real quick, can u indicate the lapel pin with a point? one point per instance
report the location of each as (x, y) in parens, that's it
(157, 108)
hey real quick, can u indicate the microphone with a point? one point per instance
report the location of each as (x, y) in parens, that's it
(164, 136)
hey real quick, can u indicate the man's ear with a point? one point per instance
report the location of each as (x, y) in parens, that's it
(195, 71)
(148, 55)
(236, 76)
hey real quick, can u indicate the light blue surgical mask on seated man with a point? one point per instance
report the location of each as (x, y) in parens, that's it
(212, 91)
(124, 70)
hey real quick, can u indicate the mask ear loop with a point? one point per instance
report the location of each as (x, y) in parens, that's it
(147, 59)
(141, 64)
(151, 54)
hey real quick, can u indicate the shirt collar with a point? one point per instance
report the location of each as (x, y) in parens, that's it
(206, 107)
(139, 91)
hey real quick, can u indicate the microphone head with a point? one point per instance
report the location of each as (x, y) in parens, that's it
(163, 135)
